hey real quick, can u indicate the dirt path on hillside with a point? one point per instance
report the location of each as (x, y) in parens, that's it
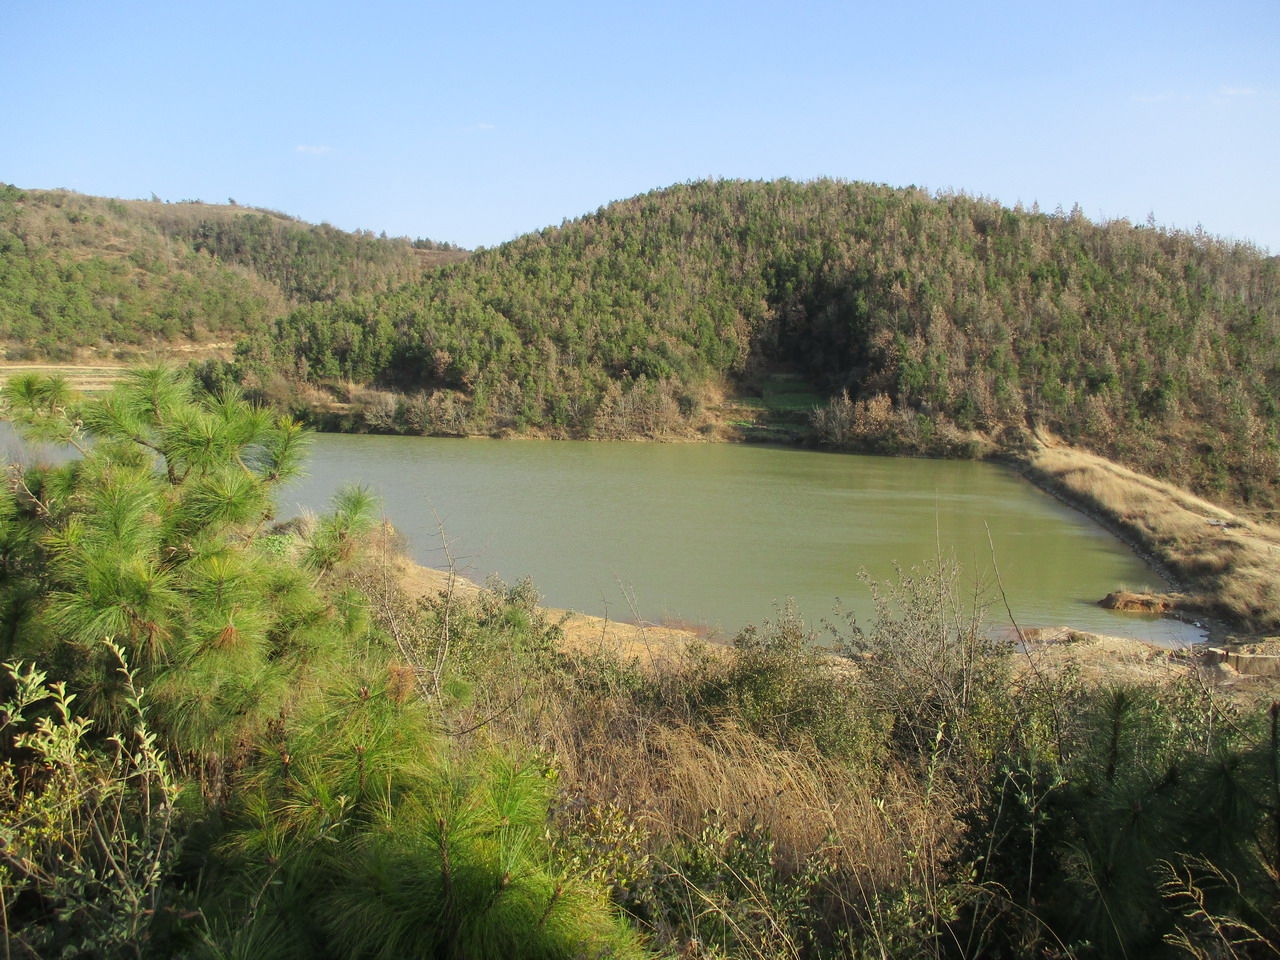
(84, 377)
(94, 374)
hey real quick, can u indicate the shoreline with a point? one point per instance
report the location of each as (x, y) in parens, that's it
(1200, 609)
(582, 632)
(1223, 570)
(1099, 659)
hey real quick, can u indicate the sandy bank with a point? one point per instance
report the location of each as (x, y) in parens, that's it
(1096, 659)
(583, 633)
(1217, 563)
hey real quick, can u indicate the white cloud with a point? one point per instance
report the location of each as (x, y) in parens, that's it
(481, 126)
(312, 149)
(1237, 91)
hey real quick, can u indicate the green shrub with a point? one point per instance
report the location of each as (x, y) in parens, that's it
(87, 832)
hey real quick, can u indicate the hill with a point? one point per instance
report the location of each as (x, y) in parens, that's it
(106, 277)
(943, 324)
(930, 319)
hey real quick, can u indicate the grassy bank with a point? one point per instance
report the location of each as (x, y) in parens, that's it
(1221, 563)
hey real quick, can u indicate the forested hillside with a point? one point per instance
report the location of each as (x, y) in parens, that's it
(934, 324)
(79, 271)
(938, 314)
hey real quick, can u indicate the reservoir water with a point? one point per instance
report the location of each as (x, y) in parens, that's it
(719, 534)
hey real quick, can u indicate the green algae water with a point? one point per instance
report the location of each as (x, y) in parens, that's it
(719, 535)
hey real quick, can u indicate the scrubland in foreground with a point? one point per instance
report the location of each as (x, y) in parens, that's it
(281, 753)
(912, 788)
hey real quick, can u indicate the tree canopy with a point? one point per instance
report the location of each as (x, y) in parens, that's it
(80, 271)
(223, 687)
(922, 316)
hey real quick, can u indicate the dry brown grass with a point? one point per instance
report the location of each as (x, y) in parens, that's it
(97, 370)
(86, 378)
(669, 772)
(1231, 561)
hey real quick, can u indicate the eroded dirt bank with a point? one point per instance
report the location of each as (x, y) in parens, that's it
(1219, 564)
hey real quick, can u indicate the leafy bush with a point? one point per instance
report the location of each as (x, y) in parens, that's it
(88, 834)
(931, 669)
(781, 685)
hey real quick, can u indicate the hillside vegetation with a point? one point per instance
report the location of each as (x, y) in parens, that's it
(928, 319)
(875, 318)
(111, 276)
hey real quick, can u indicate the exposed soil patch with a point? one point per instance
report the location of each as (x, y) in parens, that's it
(648, 643)
(1102, 659)
(1126, 602)
(94, 373)
(84, 377)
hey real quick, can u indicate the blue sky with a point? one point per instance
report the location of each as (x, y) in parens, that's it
(476, 123)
